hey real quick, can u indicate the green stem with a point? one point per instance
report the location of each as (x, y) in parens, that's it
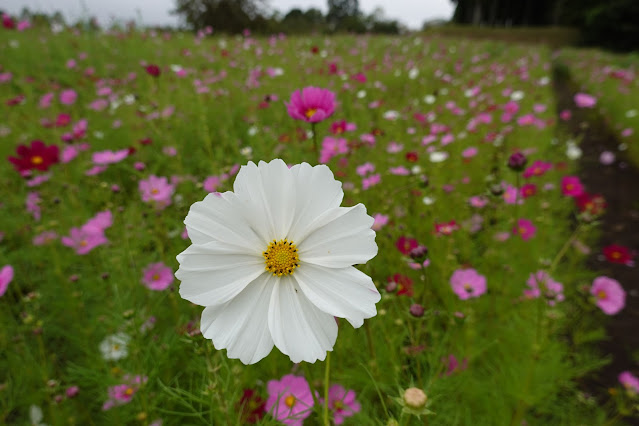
(327, 420)
(563, 250)
(314, 138)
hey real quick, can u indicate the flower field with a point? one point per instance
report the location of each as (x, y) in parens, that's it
(470, 302)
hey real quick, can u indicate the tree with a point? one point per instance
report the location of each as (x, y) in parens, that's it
(341, 13)
(231, 16)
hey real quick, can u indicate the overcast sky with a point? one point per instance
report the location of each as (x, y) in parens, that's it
(156, 12)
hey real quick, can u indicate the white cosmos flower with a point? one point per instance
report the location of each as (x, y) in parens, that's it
(114, 347)
(272, 262)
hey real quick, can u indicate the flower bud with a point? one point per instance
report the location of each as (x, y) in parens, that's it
(415, 398)
(517, 161)
(416, 310)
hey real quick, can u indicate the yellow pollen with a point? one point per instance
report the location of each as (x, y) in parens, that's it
(468, 288)
(570, 186)
(310, 112)
(289, 401)
(281, 257)
(616, 255)
(116, 347)
(84, 243)
(155, 191)
(129, 391)
(156, 277)
(522, 230)
(601, 295)
(37, 159)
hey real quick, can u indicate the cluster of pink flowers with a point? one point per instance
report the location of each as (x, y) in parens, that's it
(90, 235)
(541, 284)
(332, 147)
(290, 401)
(6, 276)
(123, 393)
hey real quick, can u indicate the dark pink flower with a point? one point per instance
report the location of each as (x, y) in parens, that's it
(629, 382)
(311, 104)
(609, 295)
(571, 186)
(123, 393)
(68, 97)
(525, 229)
(467, 283)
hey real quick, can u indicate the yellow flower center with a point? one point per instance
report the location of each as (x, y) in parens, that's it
(468, 288)
(129, 391)
(601, 295)
(616, 255)
(281, 257)
(155, 191)
(289, 401)
(310, 112)
(37, 159)
(156, 277)
(84, 243)
(339, 405)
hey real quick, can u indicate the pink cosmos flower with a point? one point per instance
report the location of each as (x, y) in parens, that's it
(44, 238)
(571, 186)
(399, 171)
(565, 115)
(607, 158)
(6, 276)
(332, 147)
(99, 223)
(469, 152)
(405, 244)
(528, 190)
(68, 154)
(478, 201)
(629, 382)
(109, 157)
(467, 283)
(452, 365)
(446, 228)
(157, 276)
(342, 403)
(289, 400)
(584, 100)
(156, 189)
(45, 100)
(211, 183)
(311, 104)
(33, 204)
(610, 296)
(123, 393)
(365, 169)
(380, 221)
(372, 180)
(538, 168)
(68, 97)
(525, 229)
(83, 241)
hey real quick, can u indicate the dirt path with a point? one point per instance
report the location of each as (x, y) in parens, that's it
(619, 184)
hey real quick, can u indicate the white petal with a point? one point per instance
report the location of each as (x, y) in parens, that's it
(268, 193)
(344, 241)
(221, 218)
(298, 328)
(317, 191)
(345, 293)
(214, 273)
(240, 326)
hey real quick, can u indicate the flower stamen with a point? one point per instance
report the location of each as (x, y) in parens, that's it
(281, 257)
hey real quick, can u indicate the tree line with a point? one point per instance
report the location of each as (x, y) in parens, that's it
(610, 23)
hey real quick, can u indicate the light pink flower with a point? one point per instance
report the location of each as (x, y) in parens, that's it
(68, 97)
(609, 295)
(83, 241)
(289, 400)
(584, 100)
(157, 276)
(103, 158)
(629, 382)
(370, 181)
(380, 221)
(6, 276)
(156, 189)
(332, 147)
(467, 283)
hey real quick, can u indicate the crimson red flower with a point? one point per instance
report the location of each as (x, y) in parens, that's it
(37, 156)
(412, 157)
(403, 283)
(405, 245)
(617, 254)
(153, 70)
(251, 405)
(8, 22)
(528, 190)
(594, 204)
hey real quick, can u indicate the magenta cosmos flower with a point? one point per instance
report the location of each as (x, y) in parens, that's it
(468, 283)
(157, 276)
(311, 104)
(289, 400)
(156, 189)
(525, 229)
(342, 403)
(584, 100)
(609, 295)
(6, 276)
(571, 186)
